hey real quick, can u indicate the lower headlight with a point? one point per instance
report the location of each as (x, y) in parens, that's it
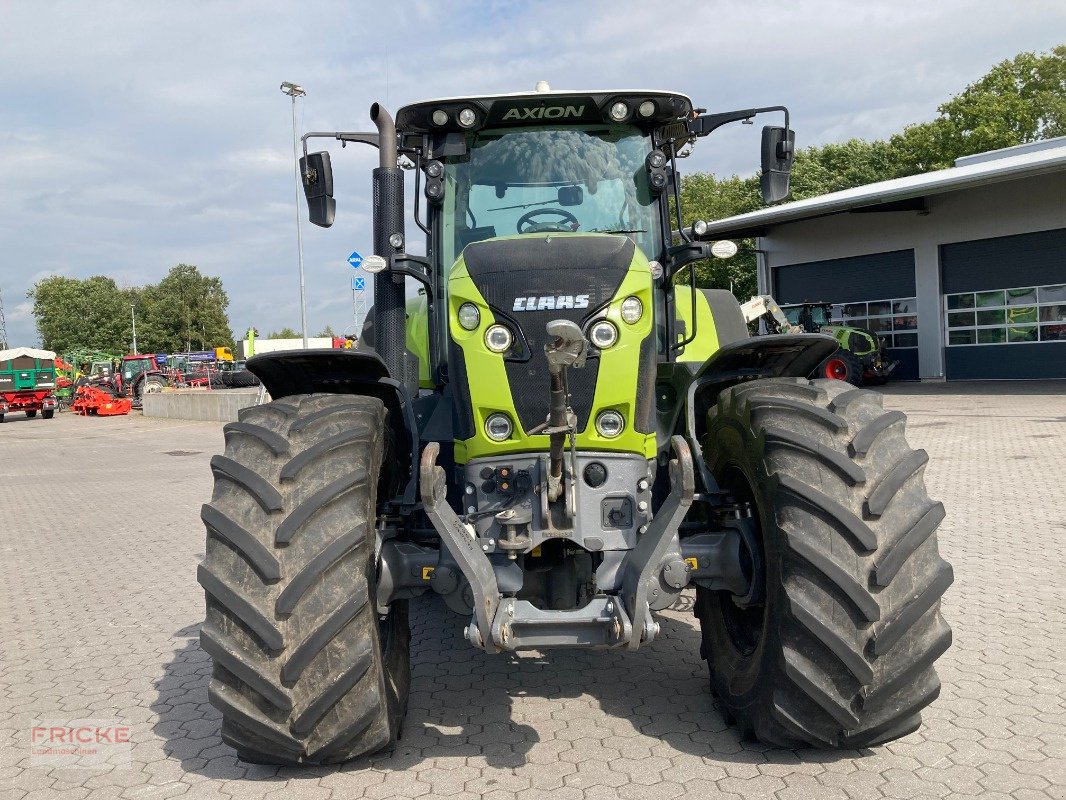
(610, 424)
(498, 338)
(603, 334)
(498, 427)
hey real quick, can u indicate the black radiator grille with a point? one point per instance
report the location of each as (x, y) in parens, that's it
(539, 266)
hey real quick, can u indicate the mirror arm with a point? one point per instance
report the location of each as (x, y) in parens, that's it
(417, 267)
(681, 255)
(343, 137)
(708, 123)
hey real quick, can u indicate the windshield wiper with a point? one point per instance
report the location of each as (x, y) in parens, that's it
(524, 205)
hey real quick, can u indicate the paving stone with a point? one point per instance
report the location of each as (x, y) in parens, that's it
(109, 618)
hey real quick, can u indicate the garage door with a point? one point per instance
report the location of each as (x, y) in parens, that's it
(874, 291)
(1004, 306)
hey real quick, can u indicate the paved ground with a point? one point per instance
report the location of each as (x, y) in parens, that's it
(100, 537)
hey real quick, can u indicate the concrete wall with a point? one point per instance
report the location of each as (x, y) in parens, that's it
(273, 345)
(216, 406)
(1000, 209)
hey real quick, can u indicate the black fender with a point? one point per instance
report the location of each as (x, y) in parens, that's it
(772, 356)
(359, 372)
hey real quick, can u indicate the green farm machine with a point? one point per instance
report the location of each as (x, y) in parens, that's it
(861, 357)
(559, 437)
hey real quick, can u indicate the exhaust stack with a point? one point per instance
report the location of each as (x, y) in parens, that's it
(389, 301)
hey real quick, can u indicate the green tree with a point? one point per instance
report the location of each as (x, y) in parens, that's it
(184, 311)
(328, 331)
(1020, 100)
(285, 333)
(92, 313)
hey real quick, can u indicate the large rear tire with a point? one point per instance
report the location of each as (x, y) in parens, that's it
(304, 669)
(841, 653)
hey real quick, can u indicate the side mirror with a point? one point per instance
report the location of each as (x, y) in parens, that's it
(778, 150)
(317, 177)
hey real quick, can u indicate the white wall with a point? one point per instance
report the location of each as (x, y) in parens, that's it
(273, 345)
(1000, 209)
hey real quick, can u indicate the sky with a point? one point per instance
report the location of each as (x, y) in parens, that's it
(139, 135)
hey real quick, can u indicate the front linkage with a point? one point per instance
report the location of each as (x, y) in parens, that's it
(654, 573)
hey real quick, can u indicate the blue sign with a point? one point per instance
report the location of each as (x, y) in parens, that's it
(355, 260)
(358, 284)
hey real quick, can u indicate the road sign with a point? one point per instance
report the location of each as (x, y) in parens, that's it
(355, 260)
(358, 284)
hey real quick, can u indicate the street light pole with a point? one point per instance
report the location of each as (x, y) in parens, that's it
(294, 91)
(133, 315)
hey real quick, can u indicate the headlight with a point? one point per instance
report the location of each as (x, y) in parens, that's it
(609, 424)
(467, 117)
(632, 310)
(619, 111)
(603, 334)
(498, 338)
(469, 316)
(440, 117)
(498, 427)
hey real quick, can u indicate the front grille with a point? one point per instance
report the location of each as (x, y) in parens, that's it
(548, 266)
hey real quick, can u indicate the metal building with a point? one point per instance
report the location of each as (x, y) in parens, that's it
(962, 270)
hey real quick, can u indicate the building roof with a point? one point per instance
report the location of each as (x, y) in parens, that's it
(896, 194)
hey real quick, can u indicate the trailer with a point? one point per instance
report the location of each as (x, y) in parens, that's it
(27, 382)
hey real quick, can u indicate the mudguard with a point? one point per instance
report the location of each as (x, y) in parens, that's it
(359, 372)
(776, 356)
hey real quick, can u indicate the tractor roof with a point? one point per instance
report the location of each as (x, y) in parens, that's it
(645, 108)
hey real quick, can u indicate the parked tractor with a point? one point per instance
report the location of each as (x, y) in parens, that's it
(27, 382)
(138, 374)
(559, 438)
(861, 358)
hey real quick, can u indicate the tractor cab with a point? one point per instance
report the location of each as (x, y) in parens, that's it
(544, 163)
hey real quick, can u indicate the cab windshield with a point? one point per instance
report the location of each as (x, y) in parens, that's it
(584, 179)
(134, 367)
(808, 316)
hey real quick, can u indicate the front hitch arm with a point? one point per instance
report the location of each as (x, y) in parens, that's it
(459, 540)
(644, 565)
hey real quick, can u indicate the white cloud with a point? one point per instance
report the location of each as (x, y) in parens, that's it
(140, 135)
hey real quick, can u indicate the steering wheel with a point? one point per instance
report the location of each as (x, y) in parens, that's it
(533, 227)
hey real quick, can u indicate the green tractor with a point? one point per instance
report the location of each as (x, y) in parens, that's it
(558, 438)
(861, 357)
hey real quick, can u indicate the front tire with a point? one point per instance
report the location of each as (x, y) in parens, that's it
(31, 413)
(304, 670)
(841, 653)
(153, 383)
(48, 413)
(841, 366)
